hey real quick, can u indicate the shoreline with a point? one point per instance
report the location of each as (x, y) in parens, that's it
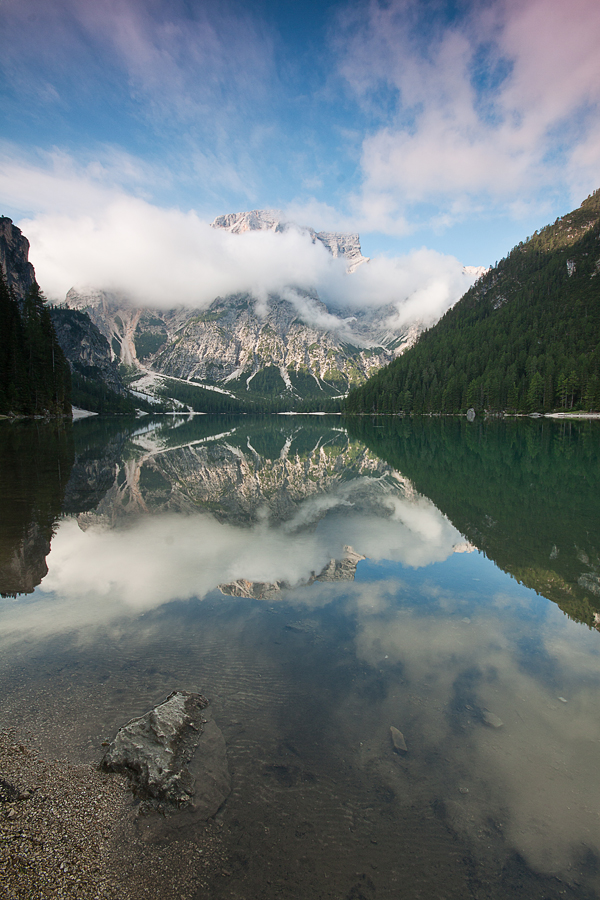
(70, 831)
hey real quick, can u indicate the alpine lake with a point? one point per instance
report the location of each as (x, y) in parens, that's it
(327, 584)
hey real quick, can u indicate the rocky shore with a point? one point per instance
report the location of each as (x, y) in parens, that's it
(73, 831)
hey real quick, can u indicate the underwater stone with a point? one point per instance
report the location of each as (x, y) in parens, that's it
(398, 742)
(492, 720)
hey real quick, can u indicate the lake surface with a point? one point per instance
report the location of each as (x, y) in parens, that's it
(322, 581)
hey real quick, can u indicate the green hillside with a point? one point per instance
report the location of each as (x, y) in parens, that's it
(524, 338)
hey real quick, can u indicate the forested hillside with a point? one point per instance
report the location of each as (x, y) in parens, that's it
(525, 493)
(524, 338)
(34, 374)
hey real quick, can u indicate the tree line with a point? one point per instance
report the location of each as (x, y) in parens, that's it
(34, 375)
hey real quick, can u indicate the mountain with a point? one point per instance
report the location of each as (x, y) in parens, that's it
(49, 357)
(14, 259)
(34, 375)
(295, 349)
(524, 338)
(96, 383)
(346, 245)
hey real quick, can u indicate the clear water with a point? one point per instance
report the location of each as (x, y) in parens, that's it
(321, 581)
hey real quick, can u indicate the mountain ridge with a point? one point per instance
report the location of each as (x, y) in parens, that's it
(298, 346)
(524, 338)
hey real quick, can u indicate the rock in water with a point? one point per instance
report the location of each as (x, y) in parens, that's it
(174, 756)
(398, 742)
(491, 719)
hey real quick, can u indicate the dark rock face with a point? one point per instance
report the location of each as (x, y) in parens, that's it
(30, 455)
(86, 349)
(14, 258)
(25, 566)
(174, 756)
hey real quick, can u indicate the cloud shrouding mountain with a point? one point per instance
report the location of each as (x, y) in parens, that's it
(164, 258)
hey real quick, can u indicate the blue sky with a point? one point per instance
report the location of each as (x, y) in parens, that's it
(460, 127)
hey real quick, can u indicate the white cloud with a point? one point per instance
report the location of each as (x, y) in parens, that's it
(174, 61)
(500, 103)
(91, 234)
(98, 574)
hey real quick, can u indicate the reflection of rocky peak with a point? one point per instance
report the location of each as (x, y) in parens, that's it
(238, 483)
(343, 569)
(338, 244)
(14, 258)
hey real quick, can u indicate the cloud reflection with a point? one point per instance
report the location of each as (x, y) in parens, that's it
(530, 778)
(100, 573)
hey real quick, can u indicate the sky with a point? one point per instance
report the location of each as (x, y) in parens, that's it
(443, 131)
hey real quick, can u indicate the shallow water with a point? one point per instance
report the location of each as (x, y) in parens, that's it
(321, 581)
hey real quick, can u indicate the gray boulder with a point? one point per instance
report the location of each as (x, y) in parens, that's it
(174, 756)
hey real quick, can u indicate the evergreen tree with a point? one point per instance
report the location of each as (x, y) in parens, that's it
(34, 374)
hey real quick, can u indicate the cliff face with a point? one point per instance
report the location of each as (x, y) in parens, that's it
(232, 340)
(306, 349)
(14, 259)
(86, 349)
(34, 375)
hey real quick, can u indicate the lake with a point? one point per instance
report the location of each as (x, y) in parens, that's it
(323, 581)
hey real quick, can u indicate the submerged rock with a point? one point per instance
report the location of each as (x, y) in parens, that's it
(398, 742)
(174, 756)
(491, 719)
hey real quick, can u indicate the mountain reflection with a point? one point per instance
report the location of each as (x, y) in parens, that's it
(174, 507)
(35, 463)
(527, 493)
(250, 507)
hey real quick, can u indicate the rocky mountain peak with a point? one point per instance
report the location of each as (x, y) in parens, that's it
(14, 258)
(338, 243)
(254, 220)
